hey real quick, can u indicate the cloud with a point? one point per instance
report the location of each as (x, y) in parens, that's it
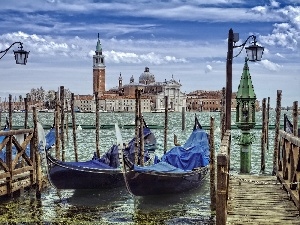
(283, 34)
(287, 33)
(208, 68)
(262, 10)
(274, 4)
(279, 55)
(151, 57)
(270, 65)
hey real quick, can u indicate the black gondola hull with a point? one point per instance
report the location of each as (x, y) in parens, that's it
(147, 183)
(69, 178)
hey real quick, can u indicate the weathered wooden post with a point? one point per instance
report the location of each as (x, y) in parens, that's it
(57, 123)
(9, 161)
(222, 175)
(137, 121)
(263, 137)
(38, 168)
(212, 166)
(67, 120)
(268, 122)
(25, 124)
(166, 124)
(295, 118)
(222, 120)
(74, 127)
(62, 122)
(277, 127)
(10, 111)
(141, 130)
(26, 114)
(183, 118)
(97, 125)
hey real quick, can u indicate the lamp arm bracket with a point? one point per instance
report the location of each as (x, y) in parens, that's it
(243, 45)
(6, 50)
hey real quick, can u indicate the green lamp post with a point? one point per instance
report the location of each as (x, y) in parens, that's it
(245, 117)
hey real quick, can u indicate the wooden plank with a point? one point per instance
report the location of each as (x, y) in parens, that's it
(23, 171)
(16, 185)
(259, 200)
(4, 175)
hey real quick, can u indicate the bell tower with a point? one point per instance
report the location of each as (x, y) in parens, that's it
(98, 70)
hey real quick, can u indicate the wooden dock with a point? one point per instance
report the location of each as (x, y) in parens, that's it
(259, 199)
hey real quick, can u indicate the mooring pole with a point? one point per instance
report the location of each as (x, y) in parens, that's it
(263, 137)
(295, 118)
(62, 122)
(57, 123)
(268, 122)
(97, 125)
(183, 118)
(38, 168)
(74, 127)
(166, 124)
(212, 166)
(277, 127)
(141, 133)
(137, 121)
(67, 120)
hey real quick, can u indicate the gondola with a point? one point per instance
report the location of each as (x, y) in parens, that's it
(180, 169)
(97, 173)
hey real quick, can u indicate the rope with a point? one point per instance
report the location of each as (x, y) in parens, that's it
(48, 175)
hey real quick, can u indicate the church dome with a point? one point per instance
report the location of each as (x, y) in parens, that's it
(146, 77)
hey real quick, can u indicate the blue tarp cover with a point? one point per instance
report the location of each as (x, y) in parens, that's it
(194, 153)
(91, 164)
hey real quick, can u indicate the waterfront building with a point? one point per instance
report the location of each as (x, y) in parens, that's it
(153, 93)
(84, 103)
(202, 100)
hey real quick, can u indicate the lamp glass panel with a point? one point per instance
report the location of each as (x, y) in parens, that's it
(21, 57)
(259, 53)
(251, 53)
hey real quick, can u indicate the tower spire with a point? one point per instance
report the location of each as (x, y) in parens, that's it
(98, 46)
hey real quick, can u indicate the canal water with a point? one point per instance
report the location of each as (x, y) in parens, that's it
(117, 206)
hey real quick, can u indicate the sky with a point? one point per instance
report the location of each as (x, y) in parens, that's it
(186, 40)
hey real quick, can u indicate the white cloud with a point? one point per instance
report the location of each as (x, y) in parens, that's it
(279, 55)
(283, 35)
(274, 3)
(270, 65)
(259, 10)
(208, 68)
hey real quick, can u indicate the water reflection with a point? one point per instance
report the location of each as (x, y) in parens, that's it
(99, 198)
(175, 209)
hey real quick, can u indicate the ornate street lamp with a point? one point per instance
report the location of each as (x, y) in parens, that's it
(20, 55)
(245, 117)
(254, 53)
